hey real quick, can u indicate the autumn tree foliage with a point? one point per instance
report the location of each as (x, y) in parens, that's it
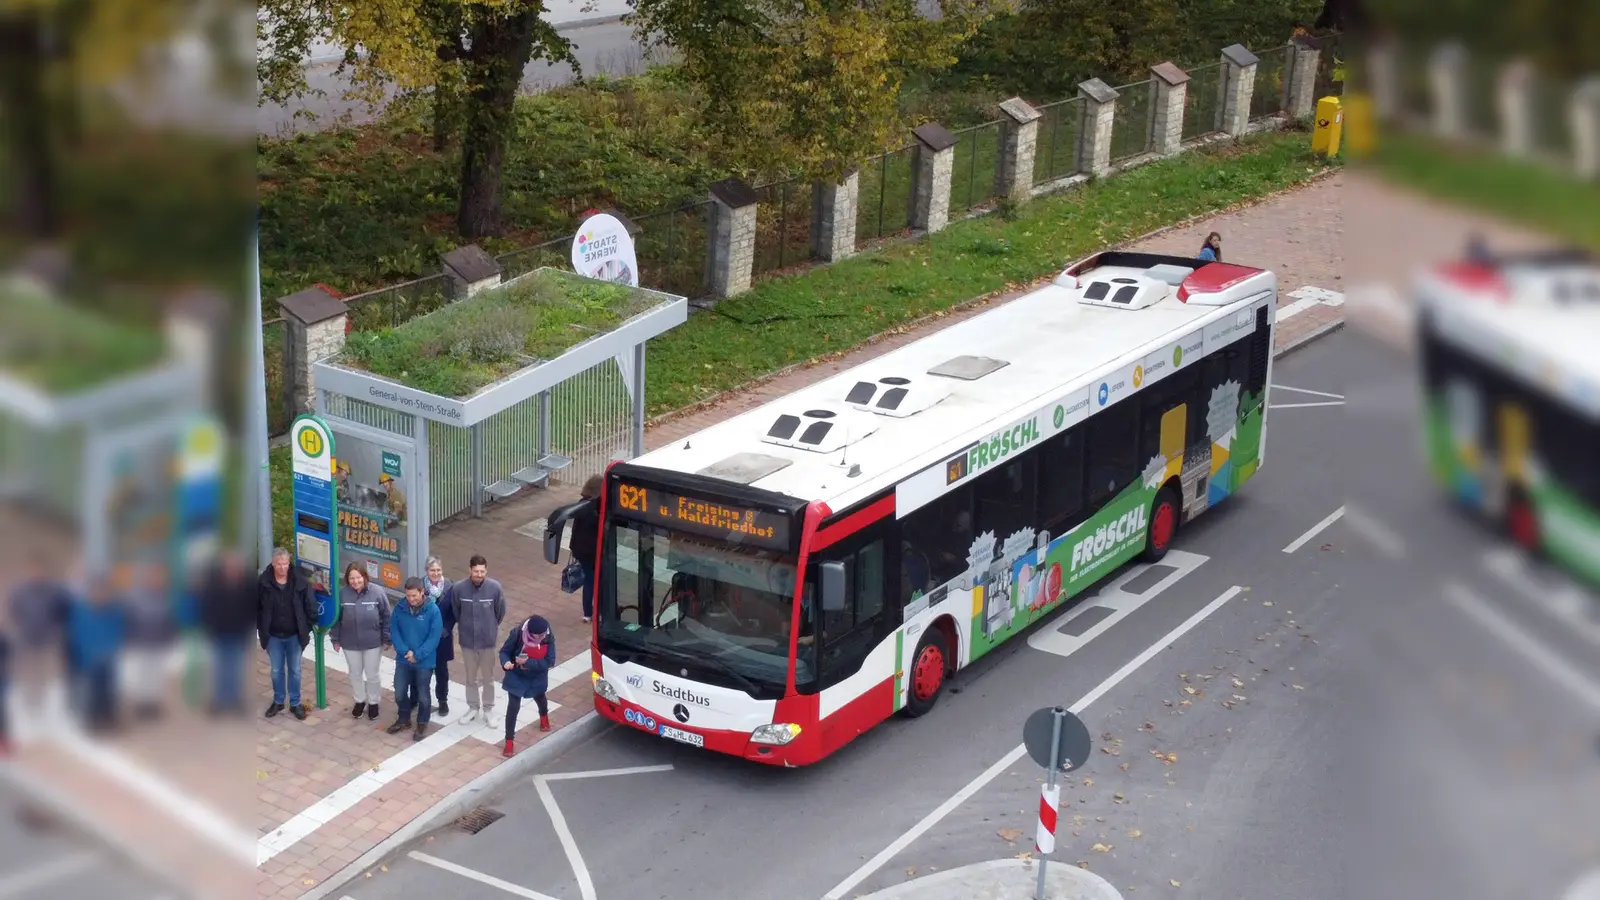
(814, 82)
(474, 53)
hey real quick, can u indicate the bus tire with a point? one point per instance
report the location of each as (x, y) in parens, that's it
(1164, 515)
(929, 667)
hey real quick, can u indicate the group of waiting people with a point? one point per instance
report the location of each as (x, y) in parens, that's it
(421, 632)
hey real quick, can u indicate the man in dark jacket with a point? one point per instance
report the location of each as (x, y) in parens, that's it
(228, 616)
(586, 540)
(286, 608)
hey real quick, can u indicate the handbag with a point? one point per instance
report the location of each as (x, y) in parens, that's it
(572, 578)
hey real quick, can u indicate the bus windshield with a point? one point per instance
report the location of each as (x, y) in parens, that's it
(672, 601)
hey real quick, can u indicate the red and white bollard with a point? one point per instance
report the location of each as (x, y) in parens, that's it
(1049, 804)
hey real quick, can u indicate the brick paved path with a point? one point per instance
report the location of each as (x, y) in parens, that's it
(329, 789)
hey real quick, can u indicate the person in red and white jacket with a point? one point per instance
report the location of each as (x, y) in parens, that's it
(527, 656)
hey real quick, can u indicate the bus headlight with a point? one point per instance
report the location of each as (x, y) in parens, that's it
(776, 734)
(604, 689)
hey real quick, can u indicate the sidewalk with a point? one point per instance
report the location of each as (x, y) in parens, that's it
(1003, 879)
(316, 796)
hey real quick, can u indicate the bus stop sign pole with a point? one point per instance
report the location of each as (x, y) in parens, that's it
(1059, 741)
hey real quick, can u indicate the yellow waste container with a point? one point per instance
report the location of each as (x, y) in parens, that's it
(1330, 124)
(1359, 134)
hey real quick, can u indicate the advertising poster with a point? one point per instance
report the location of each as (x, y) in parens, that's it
(369, 481)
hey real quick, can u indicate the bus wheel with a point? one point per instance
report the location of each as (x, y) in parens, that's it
(928, 667)
(1522, 524)
(1163, 525)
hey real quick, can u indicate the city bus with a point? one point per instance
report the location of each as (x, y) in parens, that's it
(778, 583)
(1511, 397)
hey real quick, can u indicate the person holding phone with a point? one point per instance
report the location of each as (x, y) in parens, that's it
(526, 657)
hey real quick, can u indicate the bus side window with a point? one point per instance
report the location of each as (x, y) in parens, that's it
(1164, 396)
(1005, 498)
(1061, 481)
(849, 634)
(941, 533)
(1113, 451)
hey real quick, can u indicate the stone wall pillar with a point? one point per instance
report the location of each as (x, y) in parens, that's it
(1019, 143)
(1383, 80)
(1097, 111)
(833, 216)
(1169, 90)
(1305, 55)
(471, 271)
(316, 325)
(731, 253)
(1447, 81)
(1238, 86)
(933, 158)
(1514, 102)
(1583, 117)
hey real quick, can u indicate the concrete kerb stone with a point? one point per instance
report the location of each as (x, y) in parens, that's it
(80, 820)
(724, 396)
(1003, 879)
(466, 798)
(1322, 330)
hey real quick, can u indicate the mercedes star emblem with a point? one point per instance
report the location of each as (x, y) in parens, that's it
(683, 673)
(680, 712)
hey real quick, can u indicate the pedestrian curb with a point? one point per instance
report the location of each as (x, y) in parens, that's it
(465, 798)
(1304, 339)
(1007, 879)
(44, 795)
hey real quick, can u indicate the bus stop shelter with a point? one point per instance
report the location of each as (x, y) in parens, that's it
(408, 459)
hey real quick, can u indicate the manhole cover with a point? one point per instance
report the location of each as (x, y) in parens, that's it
(479, 819)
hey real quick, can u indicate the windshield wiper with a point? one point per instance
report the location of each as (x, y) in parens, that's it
(711, 661)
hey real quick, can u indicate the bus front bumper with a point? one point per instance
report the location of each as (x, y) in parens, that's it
(732, 743)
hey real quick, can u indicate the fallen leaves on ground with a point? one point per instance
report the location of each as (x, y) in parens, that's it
(1134, 832)
(1167, 758)
(1101, 848)
(1009, 834)
(1175, 882)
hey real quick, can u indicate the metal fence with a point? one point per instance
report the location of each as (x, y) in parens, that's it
(671, 246)
(783, 224)
(883, 195)
(1202, 102)
(1269, 96)
(1056, 155)
(1482, 113)
(1130, 127)
(972, 171)
(1552, 129)
(555, 253)
(392, 306)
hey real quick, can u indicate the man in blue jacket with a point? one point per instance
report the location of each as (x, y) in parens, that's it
(414, 629)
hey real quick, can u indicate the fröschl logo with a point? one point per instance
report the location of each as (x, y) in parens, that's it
(1105, 393)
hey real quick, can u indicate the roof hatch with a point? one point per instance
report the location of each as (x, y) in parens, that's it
(968, 368)
(895, 395)
(819, 428)
(746, 468)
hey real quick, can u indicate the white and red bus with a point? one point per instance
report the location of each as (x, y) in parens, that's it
(780, 582)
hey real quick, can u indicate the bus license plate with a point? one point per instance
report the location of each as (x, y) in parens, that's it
(686, 737)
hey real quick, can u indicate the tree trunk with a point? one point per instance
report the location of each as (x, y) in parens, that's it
(25, 128)
(446, 105)
(500, 50)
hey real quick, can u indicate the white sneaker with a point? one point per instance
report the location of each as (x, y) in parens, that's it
(471, 716)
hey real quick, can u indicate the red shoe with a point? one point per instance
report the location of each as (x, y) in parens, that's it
(509, 751)
(544, 723)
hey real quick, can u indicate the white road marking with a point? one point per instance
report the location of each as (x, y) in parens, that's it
(46, 874)
(1304, 405)
(157, 791)
(1566, 603)
(1019, 751)
(1285, 387)
(1382, 536)
(1050, 638)
(1306, 298)
(515, 890)
(541, 783)
(1531, 648)
(1316, 529)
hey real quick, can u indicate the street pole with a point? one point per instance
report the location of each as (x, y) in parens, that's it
(256, 424)
(1049, 804)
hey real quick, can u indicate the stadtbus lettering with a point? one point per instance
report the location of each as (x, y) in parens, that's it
(684, 694)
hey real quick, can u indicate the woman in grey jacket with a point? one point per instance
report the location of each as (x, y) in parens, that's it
(361, 633)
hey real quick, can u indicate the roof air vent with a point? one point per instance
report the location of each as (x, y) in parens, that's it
(895, 395)
(819, 430)
(746, 468)
(968, 368)
(1123, 291)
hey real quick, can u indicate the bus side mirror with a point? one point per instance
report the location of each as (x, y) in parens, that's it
(552, 543)
(833, 585)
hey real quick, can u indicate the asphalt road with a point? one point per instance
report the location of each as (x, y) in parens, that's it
(43, 858)
(1329, 724)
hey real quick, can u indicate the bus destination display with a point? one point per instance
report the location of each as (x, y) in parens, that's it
(738, 524)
